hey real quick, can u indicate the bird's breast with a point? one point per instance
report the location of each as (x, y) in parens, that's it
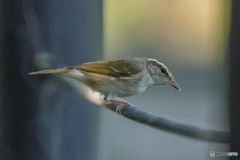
(125, 86)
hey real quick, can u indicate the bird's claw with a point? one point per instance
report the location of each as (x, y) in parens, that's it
(122, 105)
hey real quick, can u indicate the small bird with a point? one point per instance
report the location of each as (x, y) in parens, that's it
(118, 78)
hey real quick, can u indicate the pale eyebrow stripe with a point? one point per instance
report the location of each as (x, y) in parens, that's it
(161, 65)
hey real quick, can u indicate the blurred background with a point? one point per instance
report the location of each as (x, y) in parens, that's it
(43, 118)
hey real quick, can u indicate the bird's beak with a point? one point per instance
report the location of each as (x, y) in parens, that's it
(174, 84)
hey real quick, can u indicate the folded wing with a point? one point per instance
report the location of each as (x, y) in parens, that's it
(116, 68)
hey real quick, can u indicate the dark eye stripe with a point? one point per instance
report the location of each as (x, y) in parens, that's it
(154, 63)
(163, 70)
(160, 66)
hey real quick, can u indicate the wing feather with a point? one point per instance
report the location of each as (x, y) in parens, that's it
(116, 68)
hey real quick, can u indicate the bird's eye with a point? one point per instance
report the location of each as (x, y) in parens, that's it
(163, 70)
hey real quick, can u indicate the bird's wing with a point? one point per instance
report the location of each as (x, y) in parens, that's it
(116, 68)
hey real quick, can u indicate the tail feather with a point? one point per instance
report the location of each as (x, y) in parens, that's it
(51, 71)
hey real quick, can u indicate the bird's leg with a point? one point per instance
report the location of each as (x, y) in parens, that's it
(122, 102)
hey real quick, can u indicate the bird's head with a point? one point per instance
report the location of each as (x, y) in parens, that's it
(161, 74)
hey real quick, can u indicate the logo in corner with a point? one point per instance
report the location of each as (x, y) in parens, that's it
(212, 153)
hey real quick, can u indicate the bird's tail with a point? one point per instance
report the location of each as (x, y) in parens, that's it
(51, 71)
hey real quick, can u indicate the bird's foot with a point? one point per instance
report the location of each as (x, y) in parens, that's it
(122, 105)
